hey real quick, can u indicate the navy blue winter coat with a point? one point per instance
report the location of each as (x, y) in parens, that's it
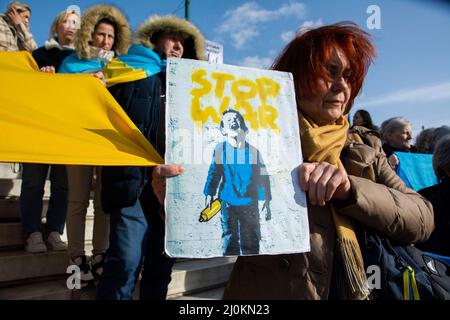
(142, 101)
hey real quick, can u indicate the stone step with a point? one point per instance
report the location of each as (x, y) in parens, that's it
(20, 265)
(46, 290)
(10, 208)
(10, 170)
(193, 275)
(208, 294)
(205, 279)
(9, 198)
(11, 233)
(10, 188)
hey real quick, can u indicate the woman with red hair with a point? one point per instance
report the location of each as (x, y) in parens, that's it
(350, 186)
(329, 65)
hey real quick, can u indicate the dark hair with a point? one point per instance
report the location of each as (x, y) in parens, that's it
(160, 33)
(367, 119)
(423, 141)
(239, 116)
(441, 157)
(113, 24)
(308, 57)
(438, 133)
(186, 40)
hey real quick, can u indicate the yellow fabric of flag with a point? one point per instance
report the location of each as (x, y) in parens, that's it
(64, 119)
(117, 72)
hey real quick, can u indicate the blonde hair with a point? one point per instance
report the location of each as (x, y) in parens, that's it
(60, 19)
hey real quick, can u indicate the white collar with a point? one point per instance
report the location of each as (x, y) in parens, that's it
(52, 43)
(100, 54)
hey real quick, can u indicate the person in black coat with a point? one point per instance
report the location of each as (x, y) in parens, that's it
(439, 196)
(137, 216)
(362, 118)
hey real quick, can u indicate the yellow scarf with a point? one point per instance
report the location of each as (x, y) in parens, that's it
(324, 144)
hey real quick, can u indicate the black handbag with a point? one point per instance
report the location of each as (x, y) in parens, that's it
(406, 272)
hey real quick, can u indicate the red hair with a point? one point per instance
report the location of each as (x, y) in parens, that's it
(307, 57)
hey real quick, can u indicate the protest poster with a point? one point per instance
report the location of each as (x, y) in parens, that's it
(235, 131)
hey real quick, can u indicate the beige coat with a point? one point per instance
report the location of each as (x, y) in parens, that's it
(388, 206)
(9, 36)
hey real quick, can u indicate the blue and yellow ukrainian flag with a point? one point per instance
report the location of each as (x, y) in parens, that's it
(67, 118)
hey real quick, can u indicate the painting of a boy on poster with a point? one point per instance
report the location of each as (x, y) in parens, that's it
(235, 131)
(238, 177)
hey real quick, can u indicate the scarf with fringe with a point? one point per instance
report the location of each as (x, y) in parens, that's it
(324, 144)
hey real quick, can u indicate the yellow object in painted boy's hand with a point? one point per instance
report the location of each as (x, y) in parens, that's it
(210, 211)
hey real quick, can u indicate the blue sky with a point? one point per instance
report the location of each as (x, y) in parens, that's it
(410, 76)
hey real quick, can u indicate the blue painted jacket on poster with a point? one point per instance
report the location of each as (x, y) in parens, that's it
(238, 175)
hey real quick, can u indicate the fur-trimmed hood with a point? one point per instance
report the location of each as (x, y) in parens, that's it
(194, 42)
(90, 19)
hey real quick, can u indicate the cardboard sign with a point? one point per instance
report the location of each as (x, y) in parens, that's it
(235, 131)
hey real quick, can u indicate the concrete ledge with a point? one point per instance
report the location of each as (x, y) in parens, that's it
(208, 294)
(11, 234)
(48, 290)
(192, 275)
(11, 188)
(10, 208)
(191, 279)
(10, 170)
(19, 265)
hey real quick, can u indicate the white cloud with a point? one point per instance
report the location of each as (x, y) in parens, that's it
(311, 24)
(245, 21)
(273, 52)
(287, 36)
(257, 62)
(426, 93)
